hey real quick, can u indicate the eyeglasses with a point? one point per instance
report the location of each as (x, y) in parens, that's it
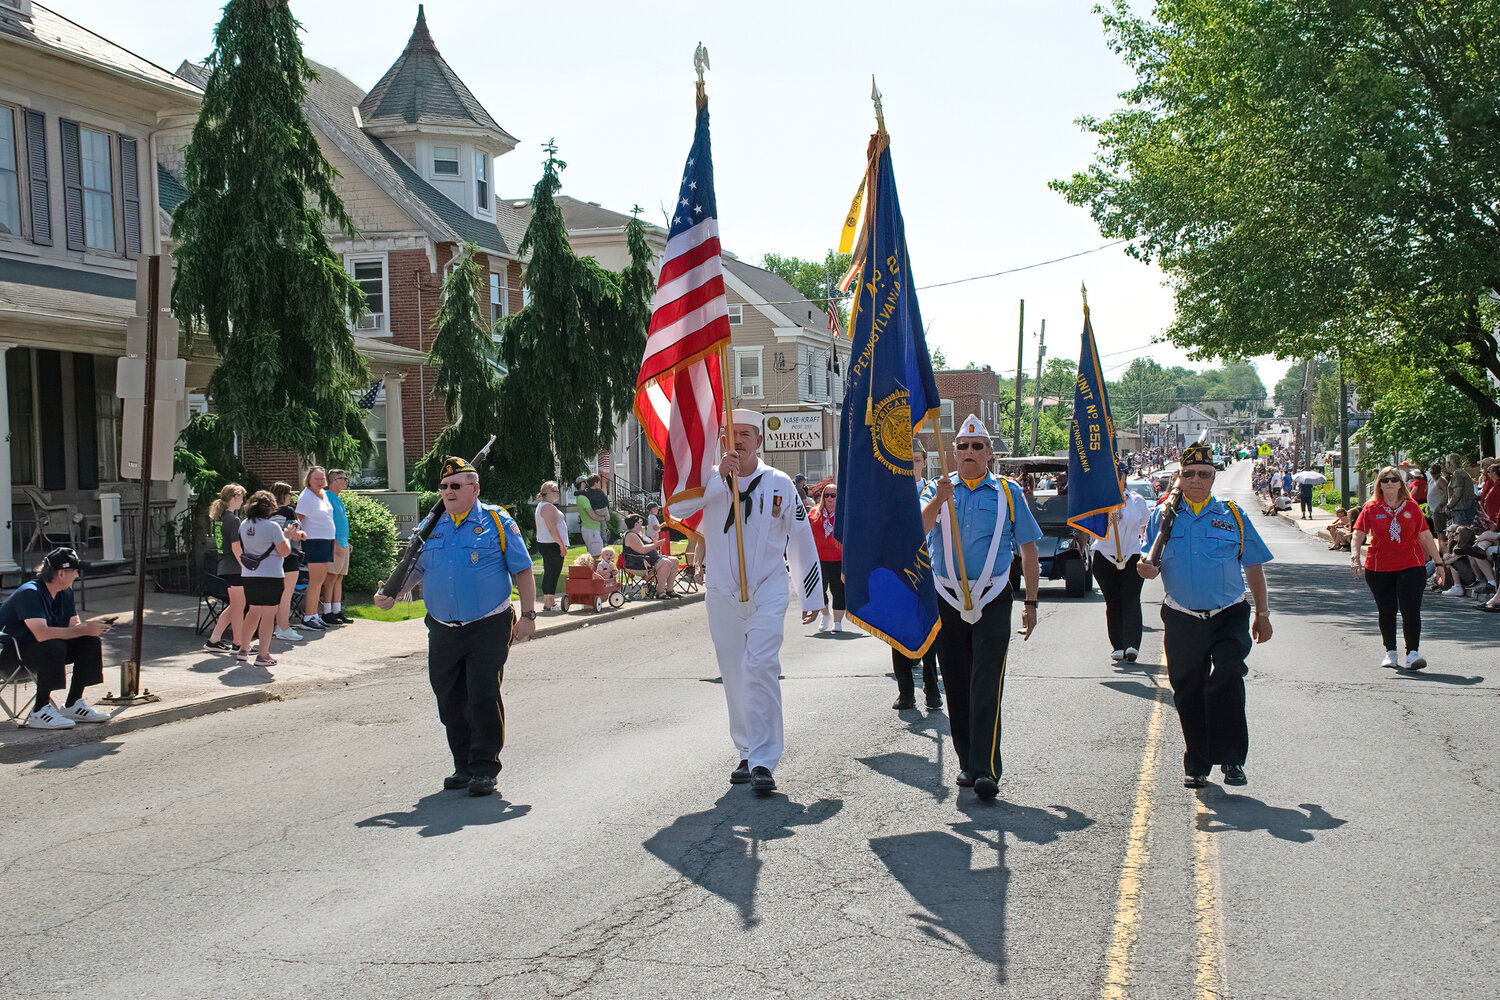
(452, 486)
(1197, 474)
(967, 445)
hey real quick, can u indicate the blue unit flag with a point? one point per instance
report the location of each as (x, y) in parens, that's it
(887, 570)
(1093, 472)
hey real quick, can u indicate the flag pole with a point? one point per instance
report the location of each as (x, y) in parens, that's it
(700, 63)
(942, 440)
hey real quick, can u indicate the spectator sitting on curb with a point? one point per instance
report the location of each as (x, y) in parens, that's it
(1340, 531)
(41, 620)
(333, 584)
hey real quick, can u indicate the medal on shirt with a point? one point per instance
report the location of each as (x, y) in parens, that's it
(775, 506)
(478, 530)
(474, 558)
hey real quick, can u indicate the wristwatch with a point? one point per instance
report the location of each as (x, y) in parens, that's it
(529, 615)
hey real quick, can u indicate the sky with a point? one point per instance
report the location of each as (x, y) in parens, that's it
(981, 102)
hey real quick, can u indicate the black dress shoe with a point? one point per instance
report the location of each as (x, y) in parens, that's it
(1194, 781)
(741, 774)
(934, 700)
(1234, 774)
(965, 779)
(904, 702)
(986, 786)
(457, 780)
(761, 782)
(481, 784)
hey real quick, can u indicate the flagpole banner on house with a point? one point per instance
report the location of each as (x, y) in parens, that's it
(888, 580)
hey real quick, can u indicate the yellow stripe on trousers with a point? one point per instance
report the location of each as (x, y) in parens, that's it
(1132, 872)
(999, 699)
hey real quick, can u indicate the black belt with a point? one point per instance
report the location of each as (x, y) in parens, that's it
(452, 624)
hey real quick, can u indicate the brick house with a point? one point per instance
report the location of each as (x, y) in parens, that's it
(415, 157)
(964, 391)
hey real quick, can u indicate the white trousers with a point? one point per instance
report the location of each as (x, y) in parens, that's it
(747, 640)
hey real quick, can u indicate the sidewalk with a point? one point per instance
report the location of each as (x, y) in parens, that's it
(1317, 526)
(191, 681)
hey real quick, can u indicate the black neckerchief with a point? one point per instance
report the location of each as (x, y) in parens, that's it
(744, 501)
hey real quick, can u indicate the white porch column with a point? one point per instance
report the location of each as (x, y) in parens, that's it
(395, 433)
(7, 545)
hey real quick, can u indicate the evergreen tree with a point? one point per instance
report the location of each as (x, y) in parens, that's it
(463, 352)
(573, 353)
(254, 268)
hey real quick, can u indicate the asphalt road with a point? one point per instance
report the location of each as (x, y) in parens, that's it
(304, 848)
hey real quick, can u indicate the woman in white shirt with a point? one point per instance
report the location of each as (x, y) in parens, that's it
(315, 517)
(1115, 556)
(551, 539)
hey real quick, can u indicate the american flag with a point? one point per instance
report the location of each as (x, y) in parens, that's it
(679, 396)
(370, 398)
(833, 317)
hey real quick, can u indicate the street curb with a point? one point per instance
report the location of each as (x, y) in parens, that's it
(81, 735)
(1292, 519)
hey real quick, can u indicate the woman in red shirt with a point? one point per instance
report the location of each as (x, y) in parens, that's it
(1489, 495)
(823, 518)
(1395, 566)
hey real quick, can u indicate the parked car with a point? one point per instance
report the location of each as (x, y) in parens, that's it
(1144, 487)
(1063, 551)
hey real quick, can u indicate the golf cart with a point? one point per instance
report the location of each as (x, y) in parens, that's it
(1063, 552)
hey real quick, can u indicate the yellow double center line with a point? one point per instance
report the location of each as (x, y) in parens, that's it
(1207, 913)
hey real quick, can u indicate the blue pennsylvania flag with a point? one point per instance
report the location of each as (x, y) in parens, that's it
(888, 581)
(1093, 474)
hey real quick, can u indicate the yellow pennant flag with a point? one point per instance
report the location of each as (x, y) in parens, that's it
(851, 221)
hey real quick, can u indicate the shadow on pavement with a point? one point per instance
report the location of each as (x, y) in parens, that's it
(73, 756)
(962, 895)
(448, 812)
(1138, 688)
(719, 849)
(1246, 814)
(838, 636)
(912, 769)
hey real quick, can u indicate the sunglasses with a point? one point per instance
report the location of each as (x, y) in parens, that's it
(1197, 474)
(1389, 479)
(967, 445)
(829, 493)
(452, 486)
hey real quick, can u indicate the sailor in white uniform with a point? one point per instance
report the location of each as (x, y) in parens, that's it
(747, 634)
(994, 522)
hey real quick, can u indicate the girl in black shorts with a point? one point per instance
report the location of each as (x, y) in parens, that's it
(263, 547)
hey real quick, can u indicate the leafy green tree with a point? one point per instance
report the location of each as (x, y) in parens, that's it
(1312, 176)
(573, 353)
(1325, 407)
(467, 379)
(1416, 413)
(254, 268)
(814, 278)
(1060, 378)
(939, 359)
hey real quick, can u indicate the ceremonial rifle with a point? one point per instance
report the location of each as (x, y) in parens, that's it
(397, 583)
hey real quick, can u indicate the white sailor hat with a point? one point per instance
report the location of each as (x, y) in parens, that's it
(972, 427)
(750, 418)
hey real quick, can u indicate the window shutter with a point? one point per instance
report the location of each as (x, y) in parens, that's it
(72, 184)
(131, 186)
(36, 169)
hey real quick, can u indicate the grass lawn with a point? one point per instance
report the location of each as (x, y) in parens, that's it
(416, 609)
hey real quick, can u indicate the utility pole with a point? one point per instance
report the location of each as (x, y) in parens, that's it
(1015, 431)
(1036, 409)
(1343, 434)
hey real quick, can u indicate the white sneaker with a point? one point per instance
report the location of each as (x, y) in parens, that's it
(1118, 654)
(82, 711)
(1456, 590)
(48, 717)
(1391, 659)
(289, 634)
(838, 626)
(825, 623)
(1415, 660)
(1131, 653)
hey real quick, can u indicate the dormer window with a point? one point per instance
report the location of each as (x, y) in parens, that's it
(481, 182)
(445, 161)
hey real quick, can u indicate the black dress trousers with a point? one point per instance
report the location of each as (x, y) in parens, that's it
(466, 665)
(902, 666)
(1206, 665)
(972, 658)
(1122, 601)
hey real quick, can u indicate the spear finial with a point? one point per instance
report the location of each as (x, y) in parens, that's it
(879, 111)
(700, 63)
(1085, 290)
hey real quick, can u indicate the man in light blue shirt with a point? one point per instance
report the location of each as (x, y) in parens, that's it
(333, 584)
(1206, 552)
(976, 594)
